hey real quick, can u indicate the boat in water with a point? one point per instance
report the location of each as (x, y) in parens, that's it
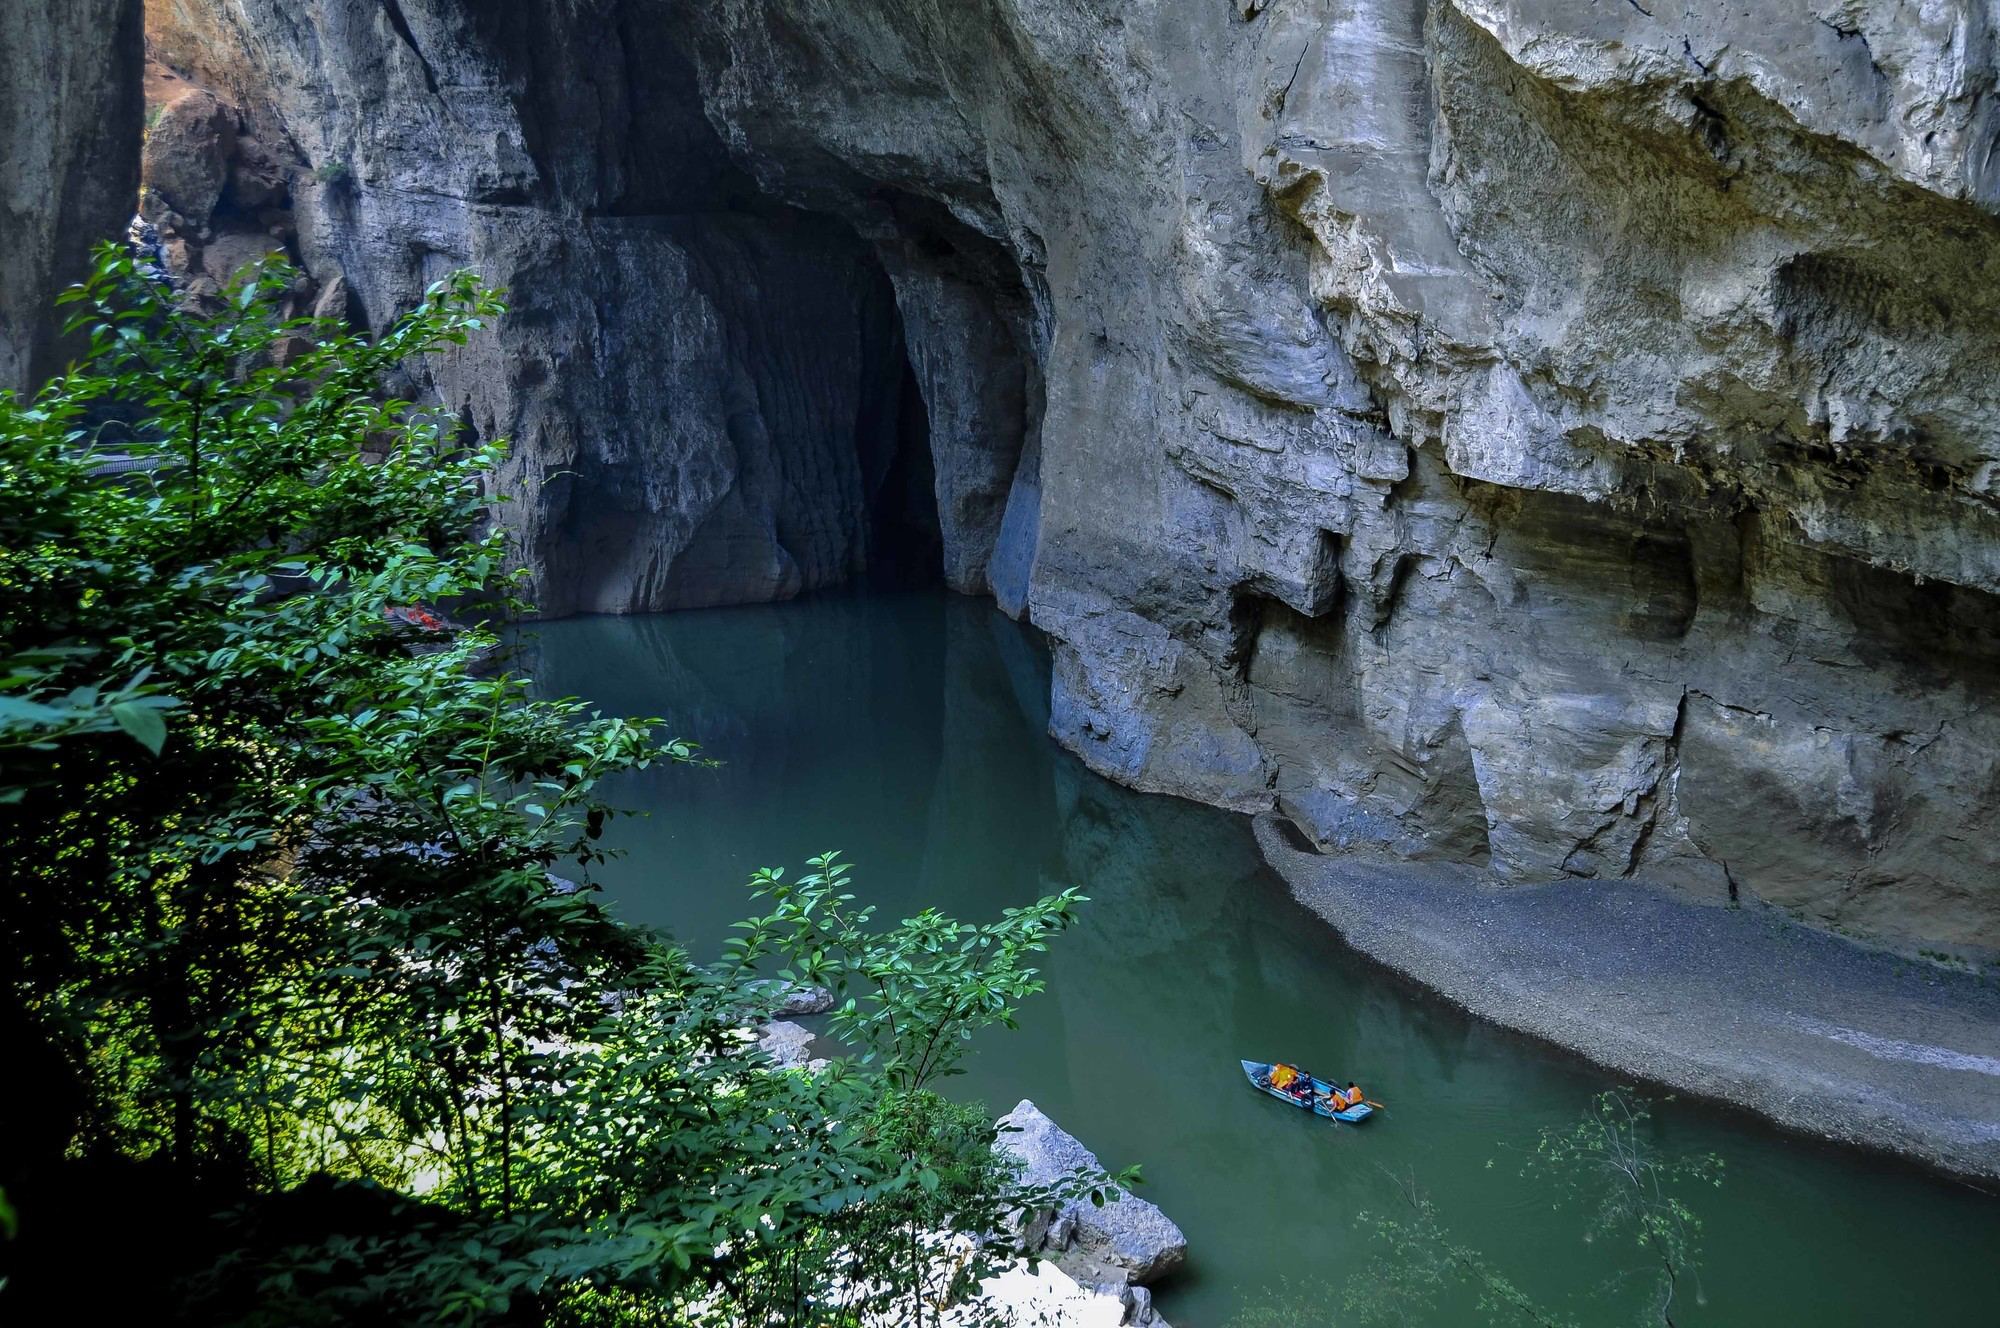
(1312, 1094)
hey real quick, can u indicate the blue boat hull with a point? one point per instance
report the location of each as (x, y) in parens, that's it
(1259, 1075)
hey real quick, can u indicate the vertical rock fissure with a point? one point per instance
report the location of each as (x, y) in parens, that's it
(401, 23)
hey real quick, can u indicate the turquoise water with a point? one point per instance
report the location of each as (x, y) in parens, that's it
(909, 732)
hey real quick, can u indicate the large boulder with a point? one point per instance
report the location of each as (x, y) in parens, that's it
(188, 149)
(1128, 1241)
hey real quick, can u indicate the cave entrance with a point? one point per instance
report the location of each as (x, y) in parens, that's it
(904, 547)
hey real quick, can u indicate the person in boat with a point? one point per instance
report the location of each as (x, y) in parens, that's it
(1351, 1098)
(1284, 1076)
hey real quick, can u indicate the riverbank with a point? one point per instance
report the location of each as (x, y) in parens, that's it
(1189, 957)
(1739, 1005)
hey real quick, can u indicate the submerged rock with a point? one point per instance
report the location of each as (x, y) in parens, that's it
(1129, 1241)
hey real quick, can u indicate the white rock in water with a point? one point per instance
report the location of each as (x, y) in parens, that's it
(785, 1043)
(1048, 1297)
(1129, 1240)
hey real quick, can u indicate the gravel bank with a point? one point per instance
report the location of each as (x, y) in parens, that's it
(1740, 1005)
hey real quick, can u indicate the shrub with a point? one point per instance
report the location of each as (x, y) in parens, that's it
(284, 931)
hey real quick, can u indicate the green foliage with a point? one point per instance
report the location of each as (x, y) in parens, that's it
(909, 1000)
(333, 171)
(1608, 1161)
(284, 923)
(912, 997)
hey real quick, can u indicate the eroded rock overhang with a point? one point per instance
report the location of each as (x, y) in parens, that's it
(1549, 435)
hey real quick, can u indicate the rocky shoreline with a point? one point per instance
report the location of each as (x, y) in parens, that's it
(1090, 1266)
(1737, 1005)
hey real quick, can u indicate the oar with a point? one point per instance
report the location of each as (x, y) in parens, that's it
(1379, 1106)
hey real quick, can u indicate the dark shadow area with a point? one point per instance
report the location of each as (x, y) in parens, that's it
(905, 538)
(1932, 631)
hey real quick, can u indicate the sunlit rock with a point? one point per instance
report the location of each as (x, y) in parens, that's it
(1125, 1241)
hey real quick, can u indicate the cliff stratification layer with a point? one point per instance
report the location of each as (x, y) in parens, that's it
(1553, 435)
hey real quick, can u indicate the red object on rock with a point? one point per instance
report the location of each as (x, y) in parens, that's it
(416, 617)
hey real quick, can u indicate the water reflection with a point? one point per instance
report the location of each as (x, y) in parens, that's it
(909, 731)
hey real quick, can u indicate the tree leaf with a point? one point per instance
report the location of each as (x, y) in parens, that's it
(143, 722)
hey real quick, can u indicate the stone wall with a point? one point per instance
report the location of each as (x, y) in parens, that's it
(1550, 434)
(70, 120)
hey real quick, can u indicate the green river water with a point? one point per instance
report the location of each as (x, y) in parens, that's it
(908, 731)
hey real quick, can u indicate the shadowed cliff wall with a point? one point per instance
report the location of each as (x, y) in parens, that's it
(70, 118)
(1524, 431)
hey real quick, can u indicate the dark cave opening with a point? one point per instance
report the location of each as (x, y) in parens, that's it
(903, 542)
(905, 537)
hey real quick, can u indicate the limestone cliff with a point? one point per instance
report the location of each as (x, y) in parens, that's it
(1552, 433)
(70, 119)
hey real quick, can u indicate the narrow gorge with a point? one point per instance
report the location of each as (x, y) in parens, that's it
(1552, 442)
(1540, 435)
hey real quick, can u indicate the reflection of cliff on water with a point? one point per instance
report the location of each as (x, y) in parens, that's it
(826, 721)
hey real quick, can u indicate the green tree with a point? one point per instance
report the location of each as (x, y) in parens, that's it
(909, 1000)
(289, 927)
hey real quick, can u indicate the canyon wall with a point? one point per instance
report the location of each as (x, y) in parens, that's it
(1545, 433)
(70, 118)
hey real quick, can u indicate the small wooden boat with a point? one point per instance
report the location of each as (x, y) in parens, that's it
(1313, 1094)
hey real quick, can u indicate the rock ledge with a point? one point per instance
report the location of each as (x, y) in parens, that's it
(1128, 1242)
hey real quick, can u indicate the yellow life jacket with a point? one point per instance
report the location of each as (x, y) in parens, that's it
(1282, 1076)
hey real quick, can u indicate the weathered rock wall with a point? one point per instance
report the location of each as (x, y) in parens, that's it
(1543, 433)
(70, 119)
(706, 388)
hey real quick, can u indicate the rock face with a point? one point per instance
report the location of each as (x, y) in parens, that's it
(187, 152)
(708, 389)
(1129, 1242)
(70, 120)
(792, 998)
(785, 1043)
(1554, 436)
(213, 198)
